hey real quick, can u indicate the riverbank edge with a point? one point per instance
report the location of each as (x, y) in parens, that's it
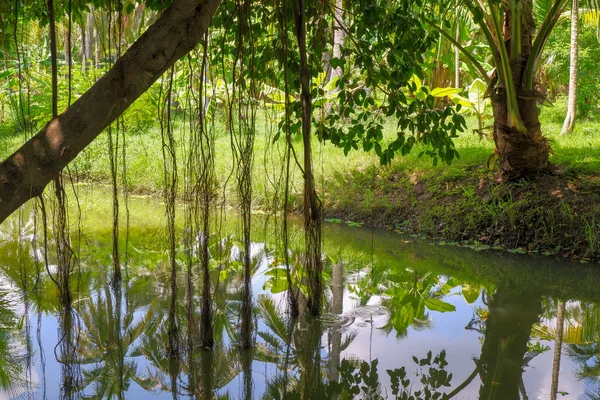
(554, 214)
(551, 213)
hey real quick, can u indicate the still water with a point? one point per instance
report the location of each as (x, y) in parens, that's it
(405, 318)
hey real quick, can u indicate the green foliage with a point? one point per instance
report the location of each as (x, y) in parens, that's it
(363, 381)
(388, 46)
(433, 379)
(557, 56)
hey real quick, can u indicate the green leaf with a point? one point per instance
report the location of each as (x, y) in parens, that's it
(403, 318)
(443, 92)
(223, 275)
(417, 83)
(438, 305)
(477, 96)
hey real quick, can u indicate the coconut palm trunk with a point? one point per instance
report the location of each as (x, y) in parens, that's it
(87, 39)
(569, 123)
(520, 145)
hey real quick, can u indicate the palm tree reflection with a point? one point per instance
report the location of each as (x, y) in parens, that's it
(512, 314)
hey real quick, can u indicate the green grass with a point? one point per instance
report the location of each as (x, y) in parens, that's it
(553, 215)
(336, 174)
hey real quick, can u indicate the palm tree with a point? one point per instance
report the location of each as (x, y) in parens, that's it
(587, 8)
(516, 45)
(207, 372)
(572, 102)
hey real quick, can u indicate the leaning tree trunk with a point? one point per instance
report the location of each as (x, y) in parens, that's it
(26, 173)
(572, 102)
(520, 152)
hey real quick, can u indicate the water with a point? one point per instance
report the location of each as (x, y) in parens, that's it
(405, 317)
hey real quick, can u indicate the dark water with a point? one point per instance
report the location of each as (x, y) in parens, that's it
(405, 319)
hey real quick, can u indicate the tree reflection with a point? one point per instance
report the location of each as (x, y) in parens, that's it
(409, 299)
(582, 330)
(12, 364)
(512, 314)
(109, 336)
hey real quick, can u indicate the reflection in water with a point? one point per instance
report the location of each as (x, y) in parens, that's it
(117, 341)
(42, 354)
(110, 331)
(337, 307)
(11, 366)
(67, 353)
(512, 313)
(558, 340)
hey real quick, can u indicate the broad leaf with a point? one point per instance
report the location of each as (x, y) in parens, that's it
(439, 305)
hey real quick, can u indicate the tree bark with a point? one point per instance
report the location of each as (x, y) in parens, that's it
(569, 123)
(68, 58)
(84, 45)
(312, 205)
(521, 152)
(339, 38)
(89, 25)
(457, 51)
(96, 39)
(26, 173)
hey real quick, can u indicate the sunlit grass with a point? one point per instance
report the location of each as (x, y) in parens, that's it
(576, 153)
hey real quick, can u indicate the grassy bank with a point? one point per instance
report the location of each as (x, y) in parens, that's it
(554, 214)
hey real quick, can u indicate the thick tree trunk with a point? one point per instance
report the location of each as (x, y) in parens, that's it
(521, 152)
(26, 173)
(572, 102)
